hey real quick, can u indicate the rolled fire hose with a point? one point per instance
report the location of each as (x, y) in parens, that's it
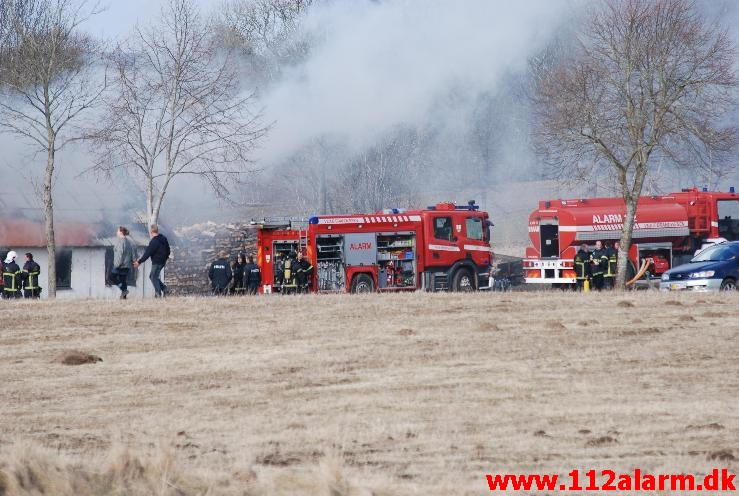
(644, 266)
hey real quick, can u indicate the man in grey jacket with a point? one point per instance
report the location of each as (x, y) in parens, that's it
(123, 255)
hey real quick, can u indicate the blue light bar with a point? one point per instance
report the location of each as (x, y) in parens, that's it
(313, 220)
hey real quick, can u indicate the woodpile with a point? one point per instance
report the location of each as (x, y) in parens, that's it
(196, 246)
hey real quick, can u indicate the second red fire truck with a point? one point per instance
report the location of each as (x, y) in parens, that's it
(444, 247)
(667, 232)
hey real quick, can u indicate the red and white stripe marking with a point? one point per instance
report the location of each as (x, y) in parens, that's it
(373, 219)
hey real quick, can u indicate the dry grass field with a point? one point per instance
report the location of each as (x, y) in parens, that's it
(383, 395)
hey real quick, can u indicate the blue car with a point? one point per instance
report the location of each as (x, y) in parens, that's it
(714, 268)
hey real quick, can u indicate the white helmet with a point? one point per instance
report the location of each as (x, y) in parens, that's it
(11, 256)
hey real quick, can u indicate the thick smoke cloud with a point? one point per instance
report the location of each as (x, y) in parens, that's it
(381, 64)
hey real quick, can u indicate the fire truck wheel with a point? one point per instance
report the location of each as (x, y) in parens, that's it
(728, 284)
(362, 283)
(462, 281)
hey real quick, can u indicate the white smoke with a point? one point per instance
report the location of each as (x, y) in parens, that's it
(380, 64)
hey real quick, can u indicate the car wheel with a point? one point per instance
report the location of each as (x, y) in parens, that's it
(728, 284)
(362, 284)
(462, 281)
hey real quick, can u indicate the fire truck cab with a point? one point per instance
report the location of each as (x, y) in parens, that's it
(444, 247)
(668, 230)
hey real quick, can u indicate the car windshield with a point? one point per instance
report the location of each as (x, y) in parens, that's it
(716, 253)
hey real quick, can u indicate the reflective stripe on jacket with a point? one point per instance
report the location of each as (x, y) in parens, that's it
(10, 276)
(612, 262)
(31, 271)
(581, 265)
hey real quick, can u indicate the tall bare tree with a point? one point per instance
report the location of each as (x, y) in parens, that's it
(48, 79)
(646, 80)
(176, 108)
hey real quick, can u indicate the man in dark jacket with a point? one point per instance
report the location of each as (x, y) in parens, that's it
(238, 287)
(31, 271)
(303, 271)
(220, 274)
(610, 274)
(158, 250)
(252, 276)
(599, 260)
(12, 277)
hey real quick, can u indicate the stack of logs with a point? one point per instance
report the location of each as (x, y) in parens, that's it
(196, 246)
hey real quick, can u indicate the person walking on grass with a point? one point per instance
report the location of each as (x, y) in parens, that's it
(158, 250)
(123, 255)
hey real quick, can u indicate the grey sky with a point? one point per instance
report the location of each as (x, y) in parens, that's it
(120, 16)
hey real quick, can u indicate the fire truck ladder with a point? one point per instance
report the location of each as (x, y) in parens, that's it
(303, 243)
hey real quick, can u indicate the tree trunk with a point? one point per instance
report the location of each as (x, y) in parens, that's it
(626, 235)
(149, 200)
(49, 218)
(485, 180)
(323, 199)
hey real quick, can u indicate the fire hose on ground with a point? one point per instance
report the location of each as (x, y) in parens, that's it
(644, 266)
(642, 270)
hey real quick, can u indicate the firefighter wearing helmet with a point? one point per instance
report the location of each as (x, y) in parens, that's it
(582, 266)
(11, 276)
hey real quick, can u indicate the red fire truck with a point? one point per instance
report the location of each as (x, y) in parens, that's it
(442, 247)
(668, 230)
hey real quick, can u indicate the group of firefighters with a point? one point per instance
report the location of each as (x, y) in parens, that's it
(596, 268)
(17, 282)
(292, 274)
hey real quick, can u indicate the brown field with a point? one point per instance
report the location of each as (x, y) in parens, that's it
(384, 395)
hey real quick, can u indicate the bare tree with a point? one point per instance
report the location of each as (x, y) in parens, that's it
(383, 175)
(176, 109)
(48, 79)
(264, 32)
(646, 80)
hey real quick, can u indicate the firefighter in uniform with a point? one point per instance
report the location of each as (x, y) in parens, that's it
(12, 276)
(610, 276)
(220, 274)
(599, 263)
(31, 271)
(252, 277)
(582, 266)
(303, 271)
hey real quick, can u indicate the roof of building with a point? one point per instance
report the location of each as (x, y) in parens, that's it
(29, 234)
